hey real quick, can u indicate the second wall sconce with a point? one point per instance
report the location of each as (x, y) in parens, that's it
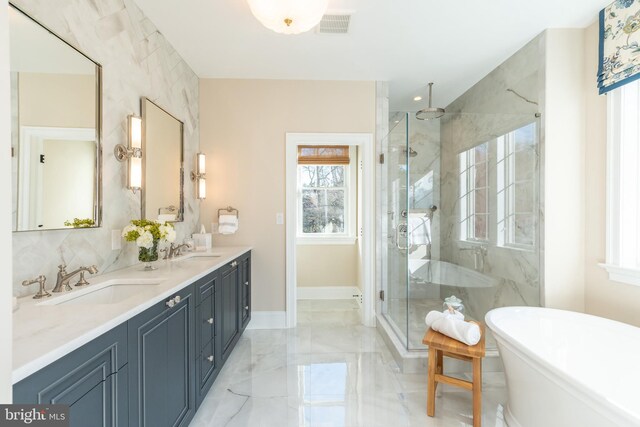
(199, 176)
(133, 153)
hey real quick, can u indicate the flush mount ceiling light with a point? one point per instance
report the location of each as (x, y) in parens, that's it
(288, 16)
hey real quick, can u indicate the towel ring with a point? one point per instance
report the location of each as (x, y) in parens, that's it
(230, 210)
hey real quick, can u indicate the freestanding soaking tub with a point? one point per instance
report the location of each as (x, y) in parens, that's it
(567, 369)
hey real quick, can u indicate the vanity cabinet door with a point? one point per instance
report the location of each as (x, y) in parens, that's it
(90, 380)
(228, 314)
(245, 286)
(161, 379)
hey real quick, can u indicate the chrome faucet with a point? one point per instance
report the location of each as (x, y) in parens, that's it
(62, 281)
(42, 293)
(174, 251)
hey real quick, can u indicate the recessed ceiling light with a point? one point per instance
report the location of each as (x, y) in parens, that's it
(417, 98)
(397, 121)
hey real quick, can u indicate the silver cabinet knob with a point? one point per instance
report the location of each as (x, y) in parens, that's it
(177, 299)
(234, 264)
(246, 307)
(246, 283)
(171, 303)
(210, 359)
(210, 320)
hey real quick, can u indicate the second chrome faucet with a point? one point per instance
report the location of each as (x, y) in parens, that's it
(62, 281)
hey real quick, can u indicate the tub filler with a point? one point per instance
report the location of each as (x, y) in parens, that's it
(567, 369)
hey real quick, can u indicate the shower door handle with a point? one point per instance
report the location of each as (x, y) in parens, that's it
(402, 231)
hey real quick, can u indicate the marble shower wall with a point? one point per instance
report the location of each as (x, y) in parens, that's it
(506, 99)
(136, 61)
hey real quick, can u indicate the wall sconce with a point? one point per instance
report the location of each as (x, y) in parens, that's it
(199, 177)
(133, 153)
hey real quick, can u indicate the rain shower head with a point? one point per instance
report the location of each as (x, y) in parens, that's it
(430, 112)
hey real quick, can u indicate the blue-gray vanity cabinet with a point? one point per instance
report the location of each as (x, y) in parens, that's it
(92, 380)
(208, 360)
(245, 286)
(161, 373)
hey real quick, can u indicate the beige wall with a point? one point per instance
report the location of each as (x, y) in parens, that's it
(604, 298)
(327, 265)
(243, 126)
(45, 100)
(5, 213)
(564, 170)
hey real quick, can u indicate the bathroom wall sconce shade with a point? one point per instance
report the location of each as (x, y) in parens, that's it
(199, 176)
(133, 153)
(288, 16)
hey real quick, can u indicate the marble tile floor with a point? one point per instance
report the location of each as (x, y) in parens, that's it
(330, 371)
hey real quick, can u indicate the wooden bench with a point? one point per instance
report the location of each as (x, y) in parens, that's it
(441, 345)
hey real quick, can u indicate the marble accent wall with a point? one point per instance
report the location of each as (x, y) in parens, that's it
(136, 61)
(506, 99)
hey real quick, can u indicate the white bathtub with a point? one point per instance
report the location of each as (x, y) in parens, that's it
(567, 369)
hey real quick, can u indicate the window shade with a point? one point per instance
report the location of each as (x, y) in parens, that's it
(619, 39)
(323, 155)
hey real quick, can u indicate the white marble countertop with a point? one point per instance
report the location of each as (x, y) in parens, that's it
(43, 332)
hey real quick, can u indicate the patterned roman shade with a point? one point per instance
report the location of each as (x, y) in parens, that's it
(323, 155)
(619, 44)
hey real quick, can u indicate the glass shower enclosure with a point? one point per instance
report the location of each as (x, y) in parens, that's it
(460, 215)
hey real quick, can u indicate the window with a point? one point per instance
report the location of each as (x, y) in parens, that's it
(474, 191)
(623, 184)
(324, 196)
(516, 187)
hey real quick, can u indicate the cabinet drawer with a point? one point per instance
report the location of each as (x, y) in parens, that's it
(206, 321)
(205, 287)
(207, 367)
(208, 362)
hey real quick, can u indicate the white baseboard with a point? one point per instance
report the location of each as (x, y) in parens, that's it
(268, 320)
(328, 292)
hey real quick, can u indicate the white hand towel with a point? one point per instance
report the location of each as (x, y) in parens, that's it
(453, 326)
(227, 224)
(166, 217)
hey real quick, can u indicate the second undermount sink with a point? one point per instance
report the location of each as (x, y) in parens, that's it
(109, 292)
(197, 256)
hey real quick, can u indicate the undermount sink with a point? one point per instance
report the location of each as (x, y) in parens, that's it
(197, 256)
(109, 292)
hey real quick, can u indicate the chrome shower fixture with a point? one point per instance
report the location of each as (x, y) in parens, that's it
(430, 112)
(412, 152)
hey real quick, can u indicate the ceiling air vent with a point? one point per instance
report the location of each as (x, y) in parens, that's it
(334, 24)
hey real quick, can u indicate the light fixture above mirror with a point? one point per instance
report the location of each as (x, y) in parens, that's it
(289, 16)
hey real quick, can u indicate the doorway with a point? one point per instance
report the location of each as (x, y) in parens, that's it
(354, 226)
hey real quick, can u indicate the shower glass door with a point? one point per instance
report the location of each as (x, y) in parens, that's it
(395, 209)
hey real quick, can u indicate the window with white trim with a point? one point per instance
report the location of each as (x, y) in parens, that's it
(516, 187)
(623, 184)
(325, 196)
(474, 194)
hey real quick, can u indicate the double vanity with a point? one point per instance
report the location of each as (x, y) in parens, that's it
(136, 348)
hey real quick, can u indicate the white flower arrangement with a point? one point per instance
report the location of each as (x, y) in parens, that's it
(148, 233)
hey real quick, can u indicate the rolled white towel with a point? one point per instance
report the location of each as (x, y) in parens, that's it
(433, 315)
(465, 332)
